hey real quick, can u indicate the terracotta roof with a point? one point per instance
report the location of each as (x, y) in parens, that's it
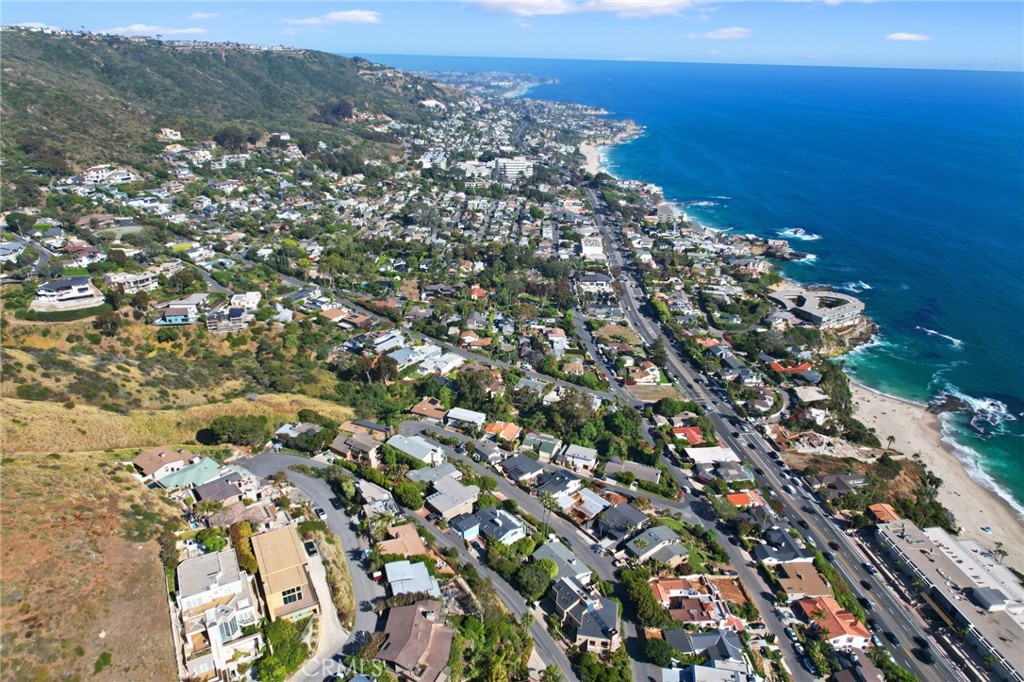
(884, 513)
(834, 620)
(152, 459)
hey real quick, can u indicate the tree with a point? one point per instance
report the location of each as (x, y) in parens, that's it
(231, 138)
(180, 281)
(657, 352)
(659, 652)
(409, 495)
(212, 539)
(107, 323)
(19, 221)
(242, 430)
(548, 565)
(532, 580)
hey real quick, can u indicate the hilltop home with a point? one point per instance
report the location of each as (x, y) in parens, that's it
(284, 576)
(67, 293)
(417, 643)
(155, 463)
(215, 600)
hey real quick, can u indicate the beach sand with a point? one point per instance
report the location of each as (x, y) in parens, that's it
(916, 430)
(592, 153)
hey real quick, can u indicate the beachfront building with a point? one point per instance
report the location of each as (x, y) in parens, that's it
(826, 309)
(967, 587)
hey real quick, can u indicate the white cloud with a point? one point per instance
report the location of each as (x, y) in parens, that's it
(731, 33)
(147, 30)
(908, 37)
(203, 16)
(523, 23)
(351, 16)
(621, 8)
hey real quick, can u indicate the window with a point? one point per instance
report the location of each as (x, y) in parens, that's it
(228, 629)
(292, 595)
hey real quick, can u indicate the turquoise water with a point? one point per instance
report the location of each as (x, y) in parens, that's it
(913, 180)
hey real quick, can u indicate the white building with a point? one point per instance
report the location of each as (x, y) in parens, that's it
(130, 283)
(66, 293)
(215, 600)
(514, 168)
(592, 248)
(250, 300)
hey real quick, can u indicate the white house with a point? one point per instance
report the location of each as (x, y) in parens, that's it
(67, 293)
(460, 417)
(578, 457)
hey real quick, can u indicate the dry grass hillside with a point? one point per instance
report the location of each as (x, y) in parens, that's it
(83, 588)
(43, 427)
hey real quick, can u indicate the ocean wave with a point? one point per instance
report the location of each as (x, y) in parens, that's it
(987, 416)
(705, 203)
(957, 343)
(970, 459)
(856, 287)
(809, 258)
(721, 196)
(798, 233)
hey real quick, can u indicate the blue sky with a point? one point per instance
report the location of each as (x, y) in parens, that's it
(909, 34)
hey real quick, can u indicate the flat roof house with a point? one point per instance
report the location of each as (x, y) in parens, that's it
(284, 578)
(592, 621)
(463, 418)
(578, 457)
(215, 599)
(451, 498)
(417, 643)
(405, 577)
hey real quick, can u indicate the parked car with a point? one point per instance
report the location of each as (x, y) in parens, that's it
(791, 633)
(336, 503)
(310, 548)
(320, 513)
(799, 648)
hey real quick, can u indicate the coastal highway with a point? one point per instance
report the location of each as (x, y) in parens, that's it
(800, 509)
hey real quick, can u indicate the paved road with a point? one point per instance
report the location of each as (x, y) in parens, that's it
(892, 616)
(364, 588)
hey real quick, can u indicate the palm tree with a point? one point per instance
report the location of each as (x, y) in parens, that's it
(547, 500)
(890, 440)
(999, 552)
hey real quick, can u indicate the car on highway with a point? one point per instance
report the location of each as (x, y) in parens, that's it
(893, 639)
(789, 489)
(869, 568)
(759, 471)
(872, 625)
(921, 642)
(833, 544)
(865, 584)
(924, 655)
(876, 641)
(802, 524)
(865, 603)
(829, 556)
(320, 513)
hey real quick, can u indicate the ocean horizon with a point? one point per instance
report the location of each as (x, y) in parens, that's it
(907, 186)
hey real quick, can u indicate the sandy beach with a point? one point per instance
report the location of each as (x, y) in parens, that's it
(916, 430)
(592, 153)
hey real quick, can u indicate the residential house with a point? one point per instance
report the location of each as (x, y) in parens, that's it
(591, 621)
(357, 446)
(155, 463)
(799, 579)
(691, 434)
(417, 643)
(432, 474)
(129, 283)
(521, 468)
(197, 472)
(465, 419)
(641, 472)
(467, 526)
(778, 547)
(568, 564)
(579, 458)
(215, 600)
(450, 498)
(283, 575)
(497, 525)
(661, 544)
(405, 541)
(543, 445)
(431, 409)
(560, 485)
(405, 577)
(585, 505)
(66, 293)
(503, 431)
(840, 627)
(620, 521)
(417, 447)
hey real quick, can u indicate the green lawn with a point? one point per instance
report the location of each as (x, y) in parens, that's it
(674, 524)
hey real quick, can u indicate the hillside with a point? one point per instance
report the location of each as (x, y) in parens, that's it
(102, 98)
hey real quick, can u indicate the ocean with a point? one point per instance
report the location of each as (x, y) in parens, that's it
(908, 185)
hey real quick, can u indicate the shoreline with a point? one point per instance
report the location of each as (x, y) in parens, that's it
(915, 430)
(974, 503)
